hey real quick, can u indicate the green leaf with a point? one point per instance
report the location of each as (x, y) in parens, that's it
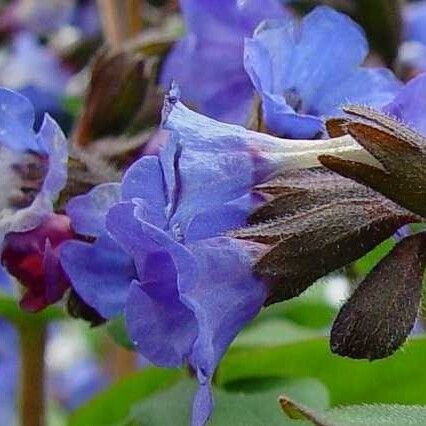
(116, 328)
(10, 310)
(172, 407)
(364, 265)
(113, 405)
(309, 310)
(393, 380)
(390, 415)
(274, 332)
(73, 105)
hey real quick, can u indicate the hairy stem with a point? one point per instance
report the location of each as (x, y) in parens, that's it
(31, 392)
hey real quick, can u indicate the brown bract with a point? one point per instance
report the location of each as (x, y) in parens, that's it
(380, 314)
(315, 222)
(400, 150)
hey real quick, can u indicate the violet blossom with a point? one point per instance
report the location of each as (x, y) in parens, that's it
(306, 70)
(161, 253)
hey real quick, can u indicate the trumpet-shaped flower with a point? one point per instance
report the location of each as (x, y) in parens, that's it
(306, 70)
(414, 22)
(34, 168)
(412, 51)
(34, 165)
(162, 254)
(208, 62)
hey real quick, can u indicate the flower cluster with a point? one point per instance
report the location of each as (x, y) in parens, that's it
(222, 221)
(34, 166)
(219, 89)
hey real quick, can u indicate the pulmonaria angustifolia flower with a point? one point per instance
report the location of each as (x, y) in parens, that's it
(414, 21)
(33, 165)
(208, 62)
(33, 258)
(306, 70)
(35, 71)
(412, 51)
(38, 17)
(34, 169)
(161, 252)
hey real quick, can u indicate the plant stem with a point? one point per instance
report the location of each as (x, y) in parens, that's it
(31, 392)
(120, 362)
(121, 20)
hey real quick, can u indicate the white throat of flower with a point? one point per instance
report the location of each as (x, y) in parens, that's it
(300, 154)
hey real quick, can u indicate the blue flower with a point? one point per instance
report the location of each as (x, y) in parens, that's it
(38, 74)
(412, 52)
(208, 62)
(86, 17)
(161, 252)
(39, 17)
(307, 70)
(409, 105)
(33, 165)
(48, 17)
(414, 22)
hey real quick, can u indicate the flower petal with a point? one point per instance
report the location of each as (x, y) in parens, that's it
(161, 326)
(374, 87)
(101, 273)
(224, 298)
(409, 105)
(145, 180)
(16, 121)
(88, 211)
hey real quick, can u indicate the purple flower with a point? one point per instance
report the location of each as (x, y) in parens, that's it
(412, 52)
(86, 17)
(33, 165)
(33, 258)
(414, 22)
(36, 16)
(50, 16)
(37, 73)
(161, 252)
(208, 62)
(306, 70)
(409, 105)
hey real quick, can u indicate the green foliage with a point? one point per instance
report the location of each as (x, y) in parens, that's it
(393, 380)
(10, 310)
(273, 333)
(73, 105)
(114, 404)
(390, 415)
(172, 407)
(393, 415)
(116, 328)
(364, 265)
(309, 310)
